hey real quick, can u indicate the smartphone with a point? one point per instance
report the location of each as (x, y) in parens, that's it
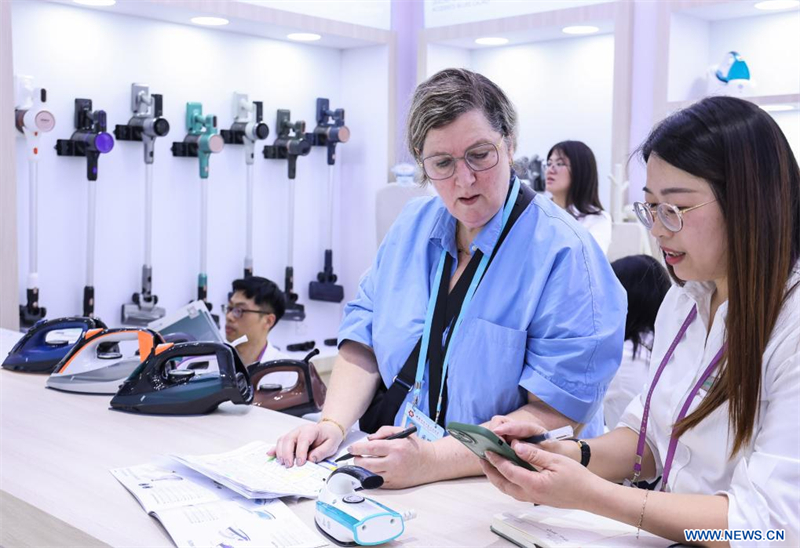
(479, 440)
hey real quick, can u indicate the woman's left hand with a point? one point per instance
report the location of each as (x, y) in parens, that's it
(402, 463)
(560, 481)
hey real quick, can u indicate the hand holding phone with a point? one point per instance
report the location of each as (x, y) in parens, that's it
(479, 440)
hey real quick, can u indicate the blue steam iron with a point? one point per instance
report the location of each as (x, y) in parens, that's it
(46, 343)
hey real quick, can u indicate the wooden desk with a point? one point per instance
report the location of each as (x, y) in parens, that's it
(56, 450)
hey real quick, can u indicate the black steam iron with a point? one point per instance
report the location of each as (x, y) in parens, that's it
(185, 379)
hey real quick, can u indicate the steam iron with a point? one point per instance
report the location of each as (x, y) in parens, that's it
(46, 343)
(307, 395)
(103, 359)
(349, 519)
(185, 379)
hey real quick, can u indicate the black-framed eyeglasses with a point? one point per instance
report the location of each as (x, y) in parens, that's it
(478, 158)
(238, 311)
(671, 216)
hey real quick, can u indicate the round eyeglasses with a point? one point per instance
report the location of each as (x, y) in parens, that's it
(671, 216)
(478, 158)
(237, 311)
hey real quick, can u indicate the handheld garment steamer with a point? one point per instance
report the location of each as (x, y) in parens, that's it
(32, 119)
(147, 124)
(90, 140)
(329, 132)
(246, 131)
(348, 519)
(201, 142)
(289, 144)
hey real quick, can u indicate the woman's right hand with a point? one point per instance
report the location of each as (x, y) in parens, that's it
(312, 442)
(511, 430)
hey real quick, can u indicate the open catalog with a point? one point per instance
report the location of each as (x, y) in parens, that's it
(546, 527)
(197, 511)
(250, 472)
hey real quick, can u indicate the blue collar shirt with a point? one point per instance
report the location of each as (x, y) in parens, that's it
(548, 317)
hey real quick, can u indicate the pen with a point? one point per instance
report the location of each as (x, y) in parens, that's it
(553, 435)
(399, 436)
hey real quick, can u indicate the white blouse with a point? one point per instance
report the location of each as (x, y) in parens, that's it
(762, 481)
(598, 225)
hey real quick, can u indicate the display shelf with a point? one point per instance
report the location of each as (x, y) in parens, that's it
(789, 99)
(352, 66)
(564, 87)
(696, 34)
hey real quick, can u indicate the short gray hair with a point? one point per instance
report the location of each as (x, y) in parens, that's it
(448, 94)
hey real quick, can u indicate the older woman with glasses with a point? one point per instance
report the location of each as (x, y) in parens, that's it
(484, 301)
(716, 424)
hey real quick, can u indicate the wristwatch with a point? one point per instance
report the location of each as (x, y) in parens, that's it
(586, 451)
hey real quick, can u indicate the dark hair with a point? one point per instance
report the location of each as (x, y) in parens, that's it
(583, 188)
(265, 293)
(646, 283)
(742, 153)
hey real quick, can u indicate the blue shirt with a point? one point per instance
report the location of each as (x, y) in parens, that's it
(548, 317)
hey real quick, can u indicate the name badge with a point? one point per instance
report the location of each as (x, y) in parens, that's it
(426, 428)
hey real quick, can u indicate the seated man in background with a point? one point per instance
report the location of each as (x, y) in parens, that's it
(255, 305)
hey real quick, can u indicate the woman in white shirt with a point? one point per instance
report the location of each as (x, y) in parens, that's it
(571, 178)
(717, 421)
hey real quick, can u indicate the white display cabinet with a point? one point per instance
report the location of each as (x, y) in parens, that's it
(697, 34)
(564, 86)
(78, 52)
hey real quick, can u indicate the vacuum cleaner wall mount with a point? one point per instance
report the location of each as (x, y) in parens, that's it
(147, 122)
(246, 129)
(290, 143)
(89, 139)
(202, 139)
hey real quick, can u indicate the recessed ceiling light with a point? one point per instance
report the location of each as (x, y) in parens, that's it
(303, 36)
(209, 21)
(100, 3)
(580, 29)
(773, 5)
(490, 41)
(777, 108)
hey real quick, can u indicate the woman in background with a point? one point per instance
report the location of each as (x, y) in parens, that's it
(571, 177)
(646, 283)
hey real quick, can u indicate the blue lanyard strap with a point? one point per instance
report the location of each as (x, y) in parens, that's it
(426, 334)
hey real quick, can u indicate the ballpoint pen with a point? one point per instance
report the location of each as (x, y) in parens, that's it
(400, 435)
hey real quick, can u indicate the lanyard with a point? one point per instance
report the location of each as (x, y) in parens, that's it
(422, 361)
(673, 441)
(263, 350)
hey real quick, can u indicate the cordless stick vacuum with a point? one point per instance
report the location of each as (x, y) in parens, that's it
(31, 119)
(201, 142)
(329, 132)
(147, 124)
(90, 140)
(246, 131)
(289, 144)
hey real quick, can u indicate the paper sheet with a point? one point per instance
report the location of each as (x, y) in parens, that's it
(252, 473)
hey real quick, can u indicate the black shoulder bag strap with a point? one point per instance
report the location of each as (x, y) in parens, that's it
(387, 401)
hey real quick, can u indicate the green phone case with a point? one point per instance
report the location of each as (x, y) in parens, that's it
(479, 440)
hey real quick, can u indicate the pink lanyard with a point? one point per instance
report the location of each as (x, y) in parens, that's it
(673, 442)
